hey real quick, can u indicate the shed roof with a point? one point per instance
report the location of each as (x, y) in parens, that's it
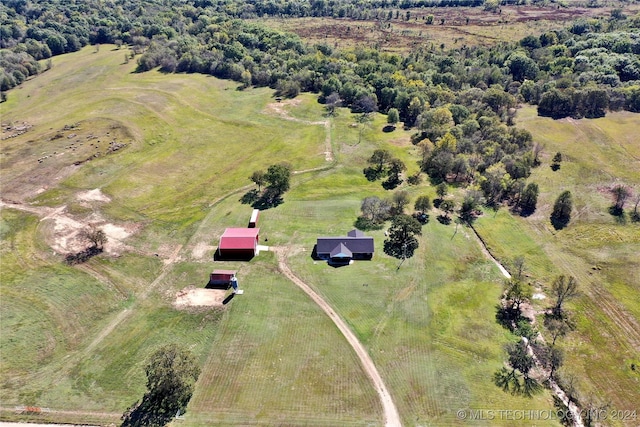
(239, 238)
(224, 272)
(254, 215)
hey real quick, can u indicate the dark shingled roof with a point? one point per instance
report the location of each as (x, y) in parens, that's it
(357, 245)
(355, 233)
(341, 251)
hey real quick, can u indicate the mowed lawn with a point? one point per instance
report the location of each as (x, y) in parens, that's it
(598, 249)
(77, 337)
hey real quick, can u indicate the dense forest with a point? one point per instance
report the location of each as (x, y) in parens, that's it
(461, 101)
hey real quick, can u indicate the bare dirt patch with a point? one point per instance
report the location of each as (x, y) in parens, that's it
(202, 250)
(95, 195)
(280, 108)
(199, 297)
(63, 232)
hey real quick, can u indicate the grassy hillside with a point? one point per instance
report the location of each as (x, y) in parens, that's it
(599, 249)
(76, 338)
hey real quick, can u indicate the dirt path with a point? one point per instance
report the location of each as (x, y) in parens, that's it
(391, 415)
(105, 415)
(279, 109)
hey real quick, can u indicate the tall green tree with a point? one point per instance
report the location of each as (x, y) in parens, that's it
(278, 176)
(402, 241)
(528, 199)
(517, 380)
(469, 208)
(393, 116)
(171, 376)
(396, 167)
(422, 204)
(562, 207)
(259, 178)
(400, 200)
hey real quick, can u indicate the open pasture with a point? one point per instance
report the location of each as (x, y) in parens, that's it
(271, 356)
(452, 26)
(599, 249)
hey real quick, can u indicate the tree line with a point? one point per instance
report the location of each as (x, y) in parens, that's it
(583, 70)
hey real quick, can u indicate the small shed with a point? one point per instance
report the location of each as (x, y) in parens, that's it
(253, 221)
(221, 278)
(239, 243)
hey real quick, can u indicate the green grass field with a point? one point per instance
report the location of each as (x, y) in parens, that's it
(76, 338)
(598, 249)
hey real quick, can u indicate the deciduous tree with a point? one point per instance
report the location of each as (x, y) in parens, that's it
(422, 204)
(375, 209)
(561, 214)
(528, 199)
(259, 178)
(171, 376)
(563, 288)
(96, 237)
(402, 241)
(278, 176)
(400, 200)
(620, 195)
(393, 116)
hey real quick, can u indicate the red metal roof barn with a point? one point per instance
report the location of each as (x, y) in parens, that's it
(239, 243)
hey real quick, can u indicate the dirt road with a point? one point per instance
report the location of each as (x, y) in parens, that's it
(391, 415)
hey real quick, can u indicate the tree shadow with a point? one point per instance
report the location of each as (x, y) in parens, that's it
(511, 381)
(525, 212)
(149, 412)
(444, 219)
(399, 250)
(423, 218)
(392, 182)
(250, 197)
(616, 210)
(619, 214)
(82, 256)
(508, 317)
(269, 199)
(559, 222)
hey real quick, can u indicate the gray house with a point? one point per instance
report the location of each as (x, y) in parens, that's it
(355, 245)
